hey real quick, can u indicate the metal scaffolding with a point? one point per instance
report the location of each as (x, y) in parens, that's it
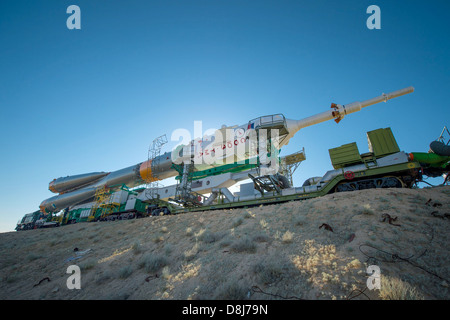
(290, 163)
(101, 200)
(153, 160)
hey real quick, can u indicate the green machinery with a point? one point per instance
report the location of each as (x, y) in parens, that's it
(384, 166)
(107, 205)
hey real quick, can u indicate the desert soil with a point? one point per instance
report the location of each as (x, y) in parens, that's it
(311, 249)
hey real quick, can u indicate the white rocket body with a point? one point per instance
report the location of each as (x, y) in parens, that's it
(247, 143)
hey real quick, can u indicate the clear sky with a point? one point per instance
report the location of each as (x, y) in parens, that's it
(77, 101)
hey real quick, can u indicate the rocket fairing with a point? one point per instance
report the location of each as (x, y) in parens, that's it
(227, 145)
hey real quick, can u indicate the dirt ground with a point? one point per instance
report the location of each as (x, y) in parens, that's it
(311, 249)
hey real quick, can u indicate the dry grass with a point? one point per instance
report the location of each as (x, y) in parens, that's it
(244, 245)
(396, 289)
(225, 253)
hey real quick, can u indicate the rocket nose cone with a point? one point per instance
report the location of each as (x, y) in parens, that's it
(42, 206)
(65, 184)
(51, 186)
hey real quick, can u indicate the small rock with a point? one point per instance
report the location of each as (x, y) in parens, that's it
(444, 284)
(55, 290)
(437, 204)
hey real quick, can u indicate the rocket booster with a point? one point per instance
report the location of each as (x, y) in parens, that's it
(65, 184)
(205, 153)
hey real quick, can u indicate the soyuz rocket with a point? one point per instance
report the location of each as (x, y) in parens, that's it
(219, 146)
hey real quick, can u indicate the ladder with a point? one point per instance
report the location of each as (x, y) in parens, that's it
(101, 197)
(154, 152)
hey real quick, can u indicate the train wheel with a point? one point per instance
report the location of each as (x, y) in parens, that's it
(346, 186)
(375, 183)
(392, 182)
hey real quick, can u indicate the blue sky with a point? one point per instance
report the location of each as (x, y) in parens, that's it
(77, 101)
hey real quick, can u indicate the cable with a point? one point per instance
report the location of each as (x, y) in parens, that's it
(257, 289)
(397, 258)
(360, 293)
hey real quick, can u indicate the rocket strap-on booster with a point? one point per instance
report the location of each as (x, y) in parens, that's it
(207, 152)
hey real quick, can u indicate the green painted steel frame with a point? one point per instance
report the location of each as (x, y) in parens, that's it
(373, 172)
